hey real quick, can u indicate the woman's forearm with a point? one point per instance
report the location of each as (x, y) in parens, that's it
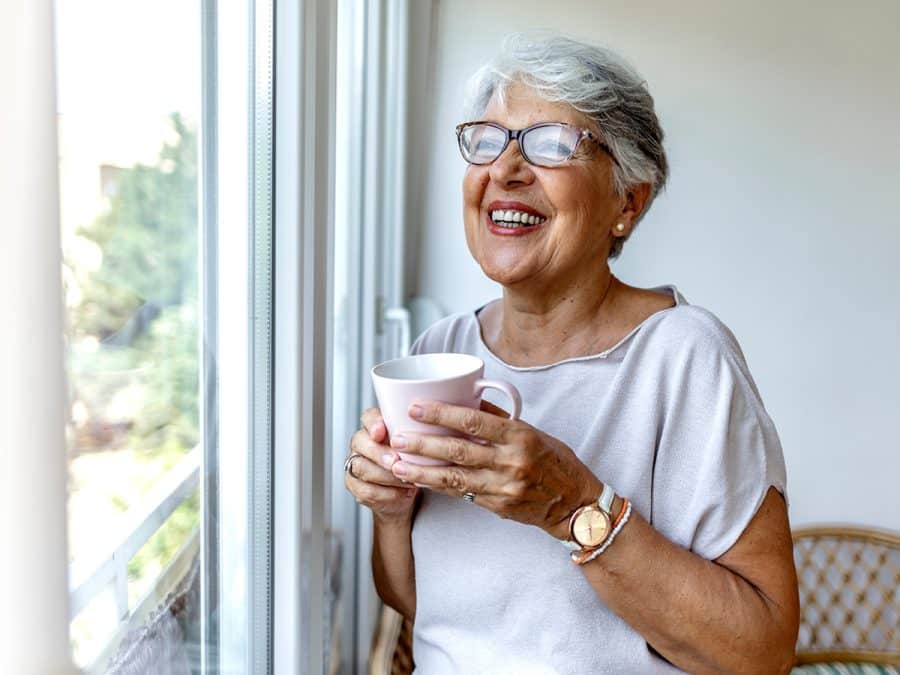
(392, 565)
(698, 614)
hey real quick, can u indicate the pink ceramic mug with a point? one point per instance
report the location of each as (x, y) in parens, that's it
(451, 378)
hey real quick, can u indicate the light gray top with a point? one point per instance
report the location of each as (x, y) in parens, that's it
(671, 417)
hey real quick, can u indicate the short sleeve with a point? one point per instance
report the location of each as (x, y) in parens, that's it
(718, 450)
(416, 347)
(444, 335)
(423, 344)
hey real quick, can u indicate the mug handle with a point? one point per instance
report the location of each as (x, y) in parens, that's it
(506, 388)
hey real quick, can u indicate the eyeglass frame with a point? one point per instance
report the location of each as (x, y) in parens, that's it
(514, 134)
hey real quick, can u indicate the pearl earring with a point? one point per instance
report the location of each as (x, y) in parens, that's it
(620, 227)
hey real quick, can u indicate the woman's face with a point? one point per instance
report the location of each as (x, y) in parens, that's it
(577, 200)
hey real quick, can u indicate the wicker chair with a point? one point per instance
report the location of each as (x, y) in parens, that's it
(849, 581)
(392, 648)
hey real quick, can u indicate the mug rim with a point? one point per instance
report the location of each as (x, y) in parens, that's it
(477, 362)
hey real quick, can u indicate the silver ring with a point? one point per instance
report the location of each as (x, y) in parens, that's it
(348, 464)
(469, 497)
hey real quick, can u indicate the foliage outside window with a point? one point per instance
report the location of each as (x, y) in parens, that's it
(132, 301)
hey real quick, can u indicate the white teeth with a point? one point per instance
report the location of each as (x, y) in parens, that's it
(510, 218)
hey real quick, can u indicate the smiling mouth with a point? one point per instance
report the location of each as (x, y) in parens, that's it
(513, 219)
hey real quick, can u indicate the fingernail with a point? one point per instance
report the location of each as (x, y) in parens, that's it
(398, 441)
(416, 411)
(388, 459)
(399, 469)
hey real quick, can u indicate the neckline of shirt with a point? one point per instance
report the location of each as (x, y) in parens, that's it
(669, 289)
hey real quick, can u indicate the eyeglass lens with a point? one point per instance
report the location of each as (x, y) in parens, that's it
(545, 145)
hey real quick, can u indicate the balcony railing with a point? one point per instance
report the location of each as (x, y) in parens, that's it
(89, 579)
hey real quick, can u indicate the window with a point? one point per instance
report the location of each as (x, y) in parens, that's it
(168, 173)
(166, 180)
(207, 415)
(129, 113)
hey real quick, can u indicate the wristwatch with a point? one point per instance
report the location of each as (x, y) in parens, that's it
(590, 525)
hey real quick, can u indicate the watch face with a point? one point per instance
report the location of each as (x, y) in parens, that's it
(591, 527)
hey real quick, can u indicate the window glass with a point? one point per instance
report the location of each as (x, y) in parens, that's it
(128, 121)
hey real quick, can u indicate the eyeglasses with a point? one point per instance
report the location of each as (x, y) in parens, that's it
(547, 144)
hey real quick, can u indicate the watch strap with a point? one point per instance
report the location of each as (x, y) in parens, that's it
(606, 499)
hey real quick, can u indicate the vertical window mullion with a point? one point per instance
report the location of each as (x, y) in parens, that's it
(262, 188)
(304, 203)
(234, 286)
(209, 272)
(288, 569)
(350, 298)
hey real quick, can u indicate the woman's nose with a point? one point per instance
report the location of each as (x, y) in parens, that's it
(510, 167)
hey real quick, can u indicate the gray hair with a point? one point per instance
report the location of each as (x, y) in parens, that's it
(593, 80)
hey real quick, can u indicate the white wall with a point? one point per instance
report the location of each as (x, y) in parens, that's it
(783, 133)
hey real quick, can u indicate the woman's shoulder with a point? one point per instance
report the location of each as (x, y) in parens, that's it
(693, 323)
(689, 328)
(456, 332)
(689, 343)
(663, 315)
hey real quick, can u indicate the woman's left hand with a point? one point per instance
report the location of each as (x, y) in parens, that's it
(522, 473)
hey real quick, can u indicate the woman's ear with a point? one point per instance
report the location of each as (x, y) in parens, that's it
(635, 201)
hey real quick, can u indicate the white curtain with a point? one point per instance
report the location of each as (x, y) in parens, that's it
(34, 614)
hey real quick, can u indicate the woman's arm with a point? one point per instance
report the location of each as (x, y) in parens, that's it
(392, 565)
(737, 614)
(393, 503)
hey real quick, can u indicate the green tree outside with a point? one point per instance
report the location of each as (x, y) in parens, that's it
(134, 352)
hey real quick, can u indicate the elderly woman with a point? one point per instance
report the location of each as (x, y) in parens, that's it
(634, 519)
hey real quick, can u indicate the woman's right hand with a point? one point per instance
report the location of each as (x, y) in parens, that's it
(370, 479)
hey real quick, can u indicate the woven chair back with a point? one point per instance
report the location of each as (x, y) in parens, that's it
(849, 582)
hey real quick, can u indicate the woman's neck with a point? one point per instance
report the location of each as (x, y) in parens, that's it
(536, 328)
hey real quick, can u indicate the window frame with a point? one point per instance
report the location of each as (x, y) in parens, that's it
(304, 153)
